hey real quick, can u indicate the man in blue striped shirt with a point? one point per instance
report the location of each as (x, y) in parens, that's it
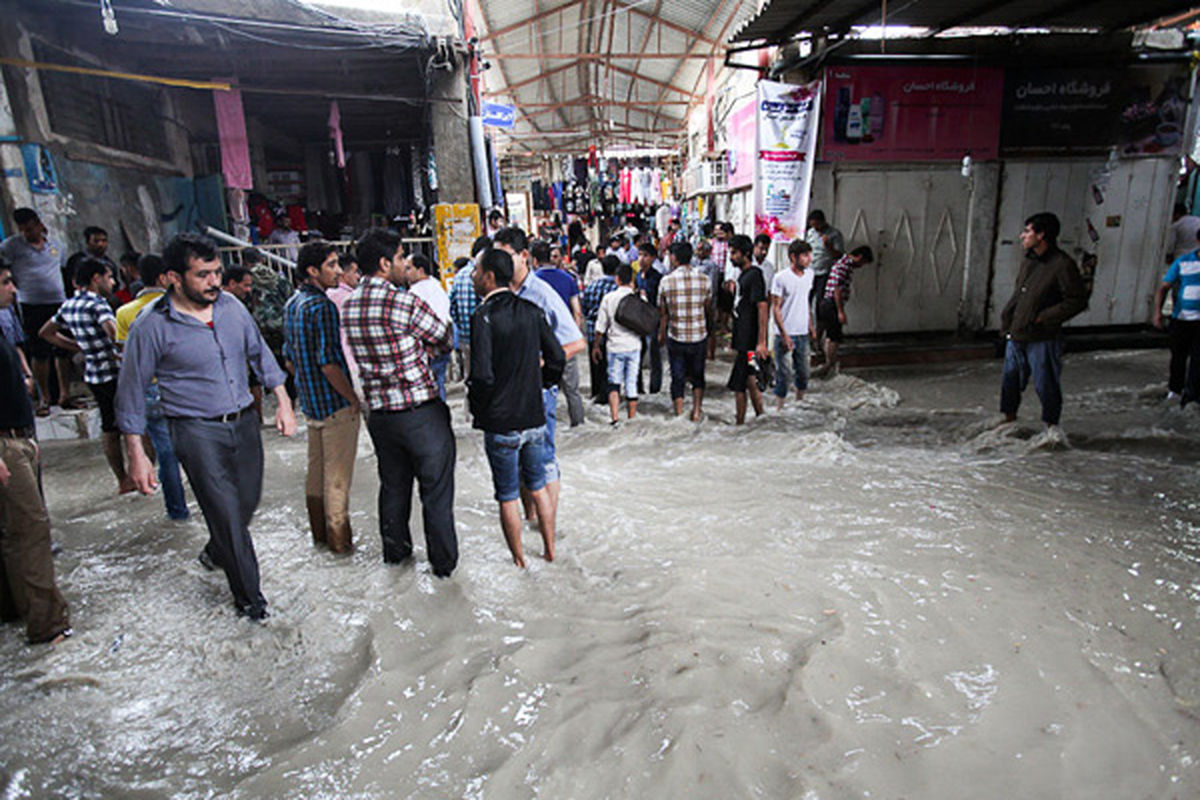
(1183, 279)
(312, 343)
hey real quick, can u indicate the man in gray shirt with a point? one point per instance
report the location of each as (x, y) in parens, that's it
(827, 247)
(37, 266)
(197, 341)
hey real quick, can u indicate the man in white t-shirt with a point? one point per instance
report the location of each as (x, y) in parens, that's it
(623, 345)
(790, 310)
(423, 281)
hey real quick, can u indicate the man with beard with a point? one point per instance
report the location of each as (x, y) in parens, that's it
(197, 341)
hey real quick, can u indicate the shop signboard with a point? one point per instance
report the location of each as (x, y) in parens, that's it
(787, 122)
(456, 227)
(520, 209)
(739, 145)
(499, 115)
(1140, 110)
(901, 113)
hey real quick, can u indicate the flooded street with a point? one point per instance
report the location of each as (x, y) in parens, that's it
(878, 594)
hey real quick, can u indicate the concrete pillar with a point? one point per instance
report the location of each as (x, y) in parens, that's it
(451, 147)
(16, 191)
(980, 239)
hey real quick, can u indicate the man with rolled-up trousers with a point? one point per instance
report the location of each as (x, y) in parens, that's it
(197, 342)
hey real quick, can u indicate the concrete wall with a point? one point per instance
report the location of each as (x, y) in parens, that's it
(452, 147)
(98, 185)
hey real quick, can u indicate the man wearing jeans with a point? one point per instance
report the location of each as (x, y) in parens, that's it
(154, 275)
(1183, 278)
(624, 346)
(423, 281)
(567, 287)
(509, 337)
(312, 342)
(1049, 292)
(197, 341)
(532, 288)
(391, 333)
(686, 315)
(789, 306)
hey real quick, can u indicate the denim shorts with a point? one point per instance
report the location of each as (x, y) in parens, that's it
(623, 371)
(517, 459)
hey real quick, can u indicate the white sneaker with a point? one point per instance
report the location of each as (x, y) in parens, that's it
(1172, 397)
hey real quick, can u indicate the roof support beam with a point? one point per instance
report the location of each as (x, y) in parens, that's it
(722, 9)
(661, 84)
(512, 87)
(688, 32)
(490, 35)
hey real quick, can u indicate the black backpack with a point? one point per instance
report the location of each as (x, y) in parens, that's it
(637, 315)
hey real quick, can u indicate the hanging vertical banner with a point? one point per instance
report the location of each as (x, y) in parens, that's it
(740, 145)
(235, 145)
(788, 118)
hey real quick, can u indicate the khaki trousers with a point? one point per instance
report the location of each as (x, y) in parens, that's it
(332, 447)
(27, 575)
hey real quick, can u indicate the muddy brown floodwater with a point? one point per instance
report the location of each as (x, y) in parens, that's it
(877, 594)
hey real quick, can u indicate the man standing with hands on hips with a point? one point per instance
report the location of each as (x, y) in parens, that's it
(197, 341)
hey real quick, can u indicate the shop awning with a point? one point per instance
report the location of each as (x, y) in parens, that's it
(781, 20)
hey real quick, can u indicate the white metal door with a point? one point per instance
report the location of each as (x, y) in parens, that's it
(916, 222)
(1129, 211)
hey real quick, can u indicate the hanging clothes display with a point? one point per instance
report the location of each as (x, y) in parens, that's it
(397, 182)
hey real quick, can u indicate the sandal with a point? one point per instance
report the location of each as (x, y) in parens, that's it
(71, 405)
(42, 411)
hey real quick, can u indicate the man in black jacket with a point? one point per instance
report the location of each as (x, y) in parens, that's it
(1049, 292)
(514, 355)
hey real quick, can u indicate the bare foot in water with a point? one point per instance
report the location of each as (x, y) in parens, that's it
(126, 486)
(519, 561)
(549, 554)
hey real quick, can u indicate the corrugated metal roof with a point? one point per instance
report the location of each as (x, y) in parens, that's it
(781, 20)
(603, 70)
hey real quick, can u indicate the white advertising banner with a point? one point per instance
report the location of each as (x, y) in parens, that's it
(788, 119)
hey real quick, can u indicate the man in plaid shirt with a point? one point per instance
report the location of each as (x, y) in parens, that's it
(89, 318)
(685, 307)
(312, 342)
(831, 306)
(392, 334)
(593, 293)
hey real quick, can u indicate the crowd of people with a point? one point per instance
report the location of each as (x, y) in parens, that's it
(178, 365)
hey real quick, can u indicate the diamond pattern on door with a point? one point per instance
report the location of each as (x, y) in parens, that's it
(943, 252)
(903, 253)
